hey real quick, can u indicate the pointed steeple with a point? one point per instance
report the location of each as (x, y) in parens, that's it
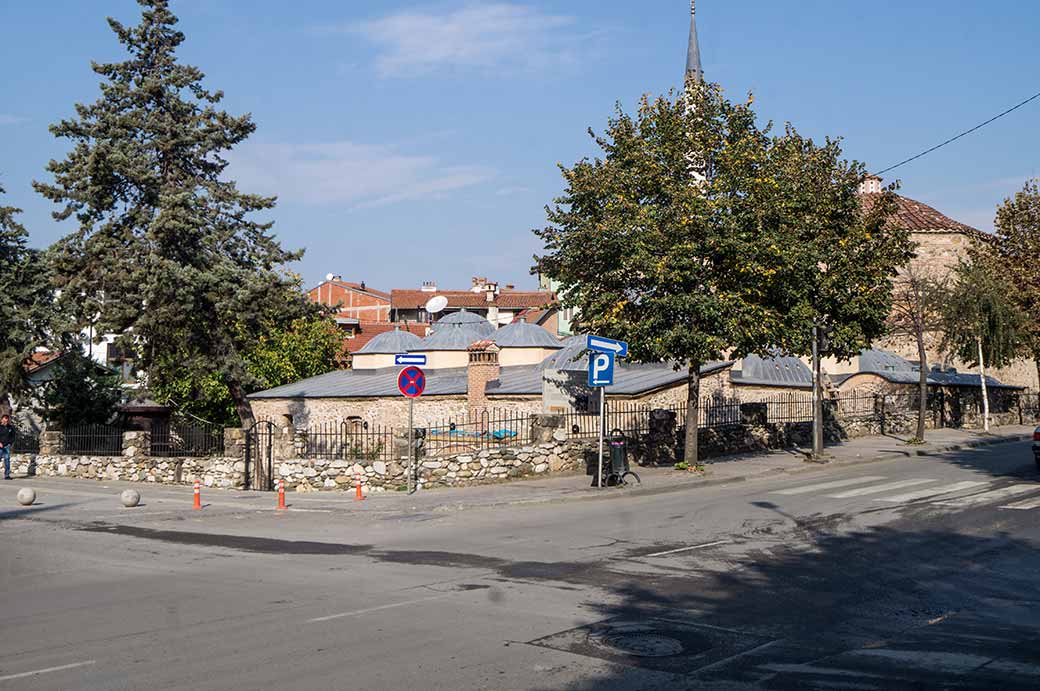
(693, 55)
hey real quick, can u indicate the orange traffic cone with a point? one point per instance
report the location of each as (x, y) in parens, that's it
(198, 495)
(281, 495)
(359, 496)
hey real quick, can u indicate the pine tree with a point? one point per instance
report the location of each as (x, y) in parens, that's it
(26, 304)
(167, 249)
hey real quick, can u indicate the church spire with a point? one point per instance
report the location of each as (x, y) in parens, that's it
(693, 56)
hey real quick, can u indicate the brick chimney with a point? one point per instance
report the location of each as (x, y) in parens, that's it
(482, 368)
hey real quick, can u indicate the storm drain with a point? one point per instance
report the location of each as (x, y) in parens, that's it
(658, 644)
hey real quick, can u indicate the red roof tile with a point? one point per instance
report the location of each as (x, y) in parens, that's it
(916, 217)
(509, 299)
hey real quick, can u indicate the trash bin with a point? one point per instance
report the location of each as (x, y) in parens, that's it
(618, 453)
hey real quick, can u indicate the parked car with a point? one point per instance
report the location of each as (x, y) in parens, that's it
(1036, 447)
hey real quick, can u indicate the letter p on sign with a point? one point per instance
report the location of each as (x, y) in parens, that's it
(601, 369)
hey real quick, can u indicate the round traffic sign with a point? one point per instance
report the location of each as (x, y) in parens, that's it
(411, 381)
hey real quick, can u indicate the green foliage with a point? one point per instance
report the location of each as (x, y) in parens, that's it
(81, 392)
(166, 250)
(980, 307)
(1018, 250)
(26, 302)
(306, 348)
(698, 237)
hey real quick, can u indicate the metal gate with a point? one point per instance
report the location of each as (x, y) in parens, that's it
(260, 456)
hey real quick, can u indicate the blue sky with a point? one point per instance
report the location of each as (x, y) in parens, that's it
(413, 141)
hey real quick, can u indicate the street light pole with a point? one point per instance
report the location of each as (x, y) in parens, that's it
(817, 396)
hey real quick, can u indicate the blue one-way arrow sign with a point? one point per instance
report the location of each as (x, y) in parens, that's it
(409, 359)
(607, 345)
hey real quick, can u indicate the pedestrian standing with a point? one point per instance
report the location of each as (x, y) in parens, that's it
(6, 440)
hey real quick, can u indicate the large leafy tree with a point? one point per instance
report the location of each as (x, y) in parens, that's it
(747, 258)
(982, 325)
(26, 304)
(689, 268)
(1018, 247)
(167, 249)
(304, 348)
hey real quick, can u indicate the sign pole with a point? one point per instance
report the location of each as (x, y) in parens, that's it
(602, 405)
(411, 446)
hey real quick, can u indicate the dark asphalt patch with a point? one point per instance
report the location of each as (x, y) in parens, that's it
(259, 545)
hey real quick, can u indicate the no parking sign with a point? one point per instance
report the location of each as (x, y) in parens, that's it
(411, 382)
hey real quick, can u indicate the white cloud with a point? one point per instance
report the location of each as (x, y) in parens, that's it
(346, 172)
(11, 119)
(475, 36)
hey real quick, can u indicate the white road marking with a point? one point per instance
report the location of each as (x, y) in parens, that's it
(932, 492)
(46, 670)
(1025, 504)
(731, 658)
(829, 485)
(989, 497)
(953, 663)
(380, 608)
(877, 489)
(687, 549)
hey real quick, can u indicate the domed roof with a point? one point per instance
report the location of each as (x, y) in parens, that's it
(463, 316)
(456, 332)
(392, 342)
(520, 334)
(572, 356)
(780, 370)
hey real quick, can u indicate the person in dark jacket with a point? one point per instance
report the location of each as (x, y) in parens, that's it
(6, 440)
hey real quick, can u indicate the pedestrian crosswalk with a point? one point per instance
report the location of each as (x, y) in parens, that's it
(952, 496)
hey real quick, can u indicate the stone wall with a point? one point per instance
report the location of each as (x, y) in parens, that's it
(486, 466)
(222, 472)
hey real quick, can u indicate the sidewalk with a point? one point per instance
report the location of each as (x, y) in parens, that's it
(717, 471)
(556, 488)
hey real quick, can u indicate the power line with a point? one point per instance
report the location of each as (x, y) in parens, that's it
(962, 134)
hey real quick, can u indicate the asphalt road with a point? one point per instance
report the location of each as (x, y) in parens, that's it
(915, 574)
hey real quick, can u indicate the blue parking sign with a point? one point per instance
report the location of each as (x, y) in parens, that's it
(601, 369)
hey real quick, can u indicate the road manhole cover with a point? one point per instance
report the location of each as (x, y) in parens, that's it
(638, 643)
(658, 644)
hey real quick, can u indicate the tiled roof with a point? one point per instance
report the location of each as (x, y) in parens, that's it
(917, 217)
(369, 330)
(508, 299)
(39, 359)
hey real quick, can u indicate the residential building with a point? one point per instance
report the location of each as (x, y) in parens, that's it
(498, 305)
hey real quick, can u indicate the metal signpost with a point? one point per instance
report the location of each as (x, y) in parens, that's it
(411, 382)
(601, 375)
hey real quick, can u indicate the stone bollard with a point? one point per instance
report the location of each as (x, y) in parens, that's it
(26, 496)
(130, 498)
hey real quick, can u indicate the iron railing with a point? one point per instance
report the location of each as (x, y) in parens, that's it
(483, 430)
(348, 440)
(187, 438)
(93, 440)
(25, 441)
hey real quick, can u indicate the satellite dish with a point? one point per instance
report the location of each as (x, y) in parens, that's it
(329, 277)
(436, 304)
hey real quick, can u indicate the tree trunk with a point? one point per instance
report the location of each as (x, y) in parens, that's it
(985, 393)
(242, 407)
(922, 403)
(693, 398)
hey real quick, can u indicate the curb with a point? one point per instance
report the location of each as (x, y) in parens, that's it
(736, 479)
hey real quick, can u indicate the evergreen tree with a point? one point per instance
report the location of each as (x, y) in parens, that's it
(82, 392)
(26, 304)
(690, 269)
(167, 247)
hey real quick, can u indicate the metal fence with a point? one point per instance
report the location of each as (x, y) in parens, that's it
(488, 429)
(26, 441)
(189, 438)
(348, 440)
(93, 440)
